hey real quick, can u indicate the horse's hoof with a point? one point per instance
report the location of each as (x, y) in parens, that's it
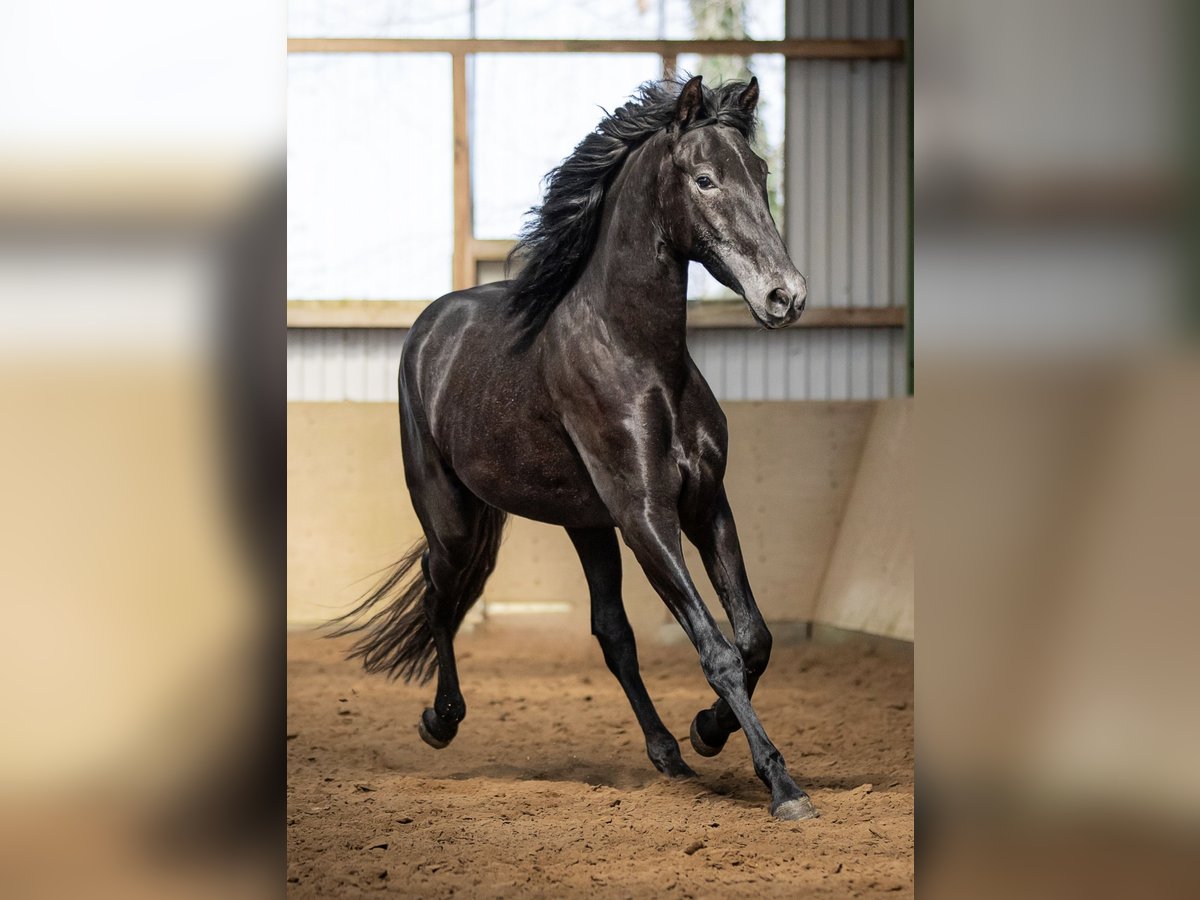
(427, 737)
(794, 810)
(698, 743)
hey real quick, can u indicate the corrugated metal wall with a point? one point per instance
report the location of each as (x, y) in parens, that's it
(847, 191)
(847, 218)
(359, 364)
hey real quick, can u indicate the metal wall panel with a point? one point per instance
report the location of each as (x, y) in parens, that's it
(359, 365)
(847, 182)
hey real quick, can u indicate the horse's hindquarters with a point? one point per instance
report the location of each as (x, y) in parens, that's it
(484, 412)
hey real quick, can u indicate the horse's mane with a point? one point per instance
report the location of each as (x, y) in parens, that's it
(558, 237)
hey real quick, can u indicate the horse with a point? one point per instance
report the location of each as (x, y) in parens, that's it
(567, 395)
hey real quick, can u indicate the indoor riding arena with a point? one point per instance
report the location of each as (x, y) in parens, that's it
(419, 139)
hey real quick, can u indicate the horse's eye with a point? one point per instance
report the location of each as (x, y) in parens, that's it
(705, 182)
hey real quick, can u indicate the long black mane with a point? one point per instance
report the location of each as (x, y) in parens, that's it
(558, 238)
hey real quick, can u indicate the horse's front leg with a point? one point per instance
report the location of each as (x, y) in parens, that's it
(652, 531)
(601, 557)
(714, 534)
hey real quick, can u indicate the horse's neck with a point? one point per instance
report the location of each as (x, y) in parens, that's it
(634, 285)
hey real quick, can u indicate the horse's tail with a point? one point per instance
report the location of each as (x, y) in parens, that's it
(396, 638)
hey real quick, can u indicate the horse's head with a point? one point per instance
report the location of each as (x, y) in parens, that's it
(716, 200)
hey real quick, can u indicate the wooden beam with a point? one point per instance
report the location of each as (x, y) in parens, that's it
(701, 314)
(733, 314)
(670, 63)
(464, 262)
(793, 49)
(491, 251)
(354, 313)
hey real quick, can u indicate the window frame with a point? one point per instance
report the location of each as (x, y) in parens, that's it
(469, 251)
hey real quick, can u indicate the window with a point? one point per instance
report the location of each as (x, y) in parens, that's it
(370, 210)
(370, 147)
(381, 18)
(529, 113)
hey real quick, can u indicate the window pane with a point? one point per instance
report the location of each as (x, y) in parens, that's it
(631, 19)
(369, 176)
(571, 19)
(760, 20)
(379, 18)
(769, 70)
(529, 112)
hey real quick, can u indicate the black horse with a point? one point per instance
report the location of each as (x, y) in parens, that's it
(567, 395)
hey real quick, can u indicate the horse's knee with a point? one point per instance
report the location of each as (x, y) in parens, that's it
(723, 667)
(755, 647)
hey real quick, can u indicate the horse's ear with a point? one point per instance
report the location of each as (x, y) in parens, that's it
(690, 103)
(748, 99)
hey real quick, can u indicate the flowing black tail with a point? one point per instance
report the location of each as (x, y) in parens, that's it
(395, 639)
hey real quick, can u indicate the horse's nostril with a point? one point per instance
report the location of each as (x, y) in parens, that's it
(780, 299)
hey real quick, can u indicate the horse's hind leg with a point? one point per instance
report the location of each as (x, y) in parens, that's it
(463, 534)
(601, 558)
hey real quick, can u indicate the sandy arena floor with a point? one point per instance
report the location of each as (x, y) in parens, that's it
(547, 790)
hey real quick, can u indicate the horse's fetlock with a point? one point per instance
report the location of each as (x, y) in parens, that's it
(661, 746)
(451, 710)
(772, 767)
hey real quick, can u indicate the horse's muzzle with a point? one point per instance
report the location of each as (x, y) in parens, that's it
(783, 307)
